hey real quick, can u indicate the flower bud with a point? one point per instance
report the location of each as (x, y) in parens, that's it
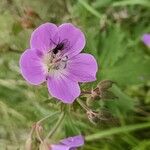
(108, 95)
(102, 92)
(105, 84)
(95, 93)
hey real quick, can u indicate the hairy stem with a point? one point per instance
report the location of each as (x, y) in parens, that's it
(51, 133)
(38, 134)
(85, 92)
(83, 105)
(48, 116)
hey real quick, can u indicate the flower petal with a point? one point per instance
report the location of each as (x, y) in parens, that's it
(31, 67)
(42, 37)
(63, 88)
(83, 67)
(146, 39)
(75, 39)
(73, 142)
(59, 147)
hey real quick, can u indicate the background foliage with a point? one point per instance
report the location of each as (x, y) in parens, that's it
(113, 31)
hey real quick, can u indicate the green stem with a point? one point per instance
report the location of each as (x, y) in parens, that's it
(51, 133)
(48, 116)
(85, 92)
(83, 105)
(35, 127)
(113, 131)
(38, 134)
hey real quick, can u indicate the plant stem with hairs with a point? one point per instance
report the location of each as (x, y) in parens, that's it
(51, 133)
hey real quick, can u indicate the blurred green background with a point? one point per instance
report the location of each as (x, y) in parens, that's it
(113, 30)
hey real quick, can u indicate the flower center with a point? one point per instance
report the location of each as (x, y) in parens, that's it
(54, 60)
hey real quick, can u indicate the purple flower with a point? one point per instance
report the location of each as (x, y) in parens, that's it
(146, 39)
(70, 143)
(54, 56)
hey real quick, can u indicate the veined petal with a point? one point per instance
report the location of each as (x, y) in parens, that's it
(74, 38)
(62, 88)
(75, 141)
(31, 67)
(83, 67)
(42, 38)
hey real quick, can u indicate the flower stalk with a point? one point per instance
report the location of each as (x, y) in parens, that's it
(83, 105)
(58, 123)
(48, 116)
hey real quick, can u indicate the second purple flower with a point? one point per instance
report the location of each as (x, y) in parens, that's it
(146, 39)
(70, 143)
(54, 56)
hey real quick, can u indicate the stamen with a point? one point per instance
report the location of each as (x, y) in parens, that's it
(55, 61)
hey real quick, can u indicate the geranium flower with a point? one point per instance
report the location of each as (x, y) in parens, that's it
(54, 56)
(146, 39)
(70, 143)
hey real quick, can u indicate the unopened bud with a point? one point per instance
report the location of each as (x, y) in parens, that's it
(108, 95)
(102, 92)
(105, 84)
(95, 93)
